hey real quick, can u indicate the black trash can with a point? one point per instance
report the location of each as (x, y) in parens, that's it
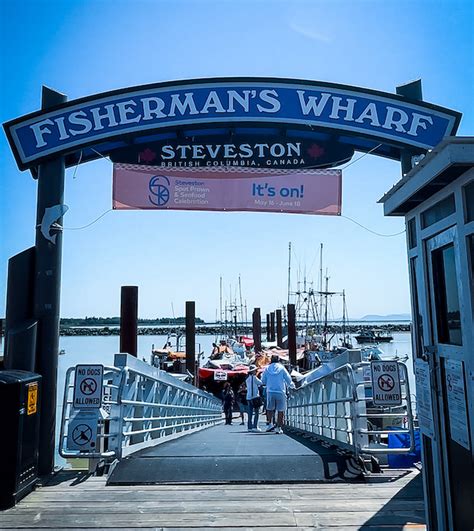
(19, 439)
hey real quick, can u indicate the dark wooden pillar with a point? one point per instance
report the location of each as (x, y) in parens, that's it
(191, 337)
(292, 334)
(279, 328)
(272, 326)
(129, 319)
(268, 327)
(48, 291)
(257, 329)
(412, 91)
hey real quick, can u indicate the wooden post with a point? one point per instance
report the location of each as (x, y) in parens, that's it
(292, 334)
(279, 328)
(257, 330)
(268, 327)
(129, 320)
(47, 293)
(191, 337)
(272, 326)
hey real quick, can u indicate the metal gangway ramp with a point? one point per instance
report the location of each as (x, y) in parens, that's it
(171, 463)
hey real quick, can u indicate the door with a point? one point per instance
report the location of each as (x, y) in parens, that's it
(446, 330)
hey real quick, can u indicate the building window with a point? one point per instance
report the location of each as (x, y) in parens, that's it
(417, 318)
(411, 229)
(440, 210)
(469, 202)
(448, 312)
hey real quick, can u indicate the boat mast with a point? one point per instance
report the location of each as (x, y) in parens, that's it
(241, 304)
(220, 301)
(326, 310)
(320, 282)
(289, 271)
(344, 315)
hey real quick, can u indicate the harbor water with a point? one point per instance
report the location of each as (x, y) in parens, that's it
(101, 349)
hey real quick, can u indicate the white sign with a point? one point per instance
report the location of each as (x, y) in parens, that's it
(82, 431)
(88, 386)
(386, 383)
(220, 376)
(424, 405)
(457, 403)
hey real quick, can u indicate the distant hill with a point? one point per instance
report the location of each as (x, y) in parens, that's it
(391, 317)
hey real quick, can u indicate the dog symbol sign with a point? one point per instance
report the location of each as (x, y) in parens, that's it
(88, 386)
(385, 383)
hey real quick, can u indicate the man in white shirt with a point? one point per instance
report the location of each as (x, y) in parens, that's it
(277, 379)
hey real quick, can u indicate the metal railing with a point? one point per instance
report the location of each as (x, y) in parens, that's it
(141, 406)
(338, 408)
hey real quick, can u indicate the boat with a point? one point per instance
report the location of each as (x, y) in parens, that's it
(373, 335)
(227, 363)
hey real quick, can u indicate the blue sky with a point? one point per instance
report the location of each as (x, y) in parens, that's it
(85, 47)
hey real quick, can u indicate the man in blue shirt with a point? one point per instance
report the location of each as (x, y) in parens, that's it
(276, 379)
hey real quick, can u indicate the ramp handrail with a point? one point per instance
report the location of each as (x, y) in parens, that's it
(337, 408)
(142, 406)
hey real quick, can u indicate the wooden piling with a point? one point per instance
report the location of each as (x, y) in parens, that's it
(292, 334)
(129, 320)
(191, 337)
(272, 326)
(257, 329)
(268, 327)
(279, 328)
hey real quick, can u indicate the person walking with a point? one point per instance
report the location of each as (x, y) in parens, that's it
(242, 401)
(253, 398)
(228, 402)
(276, 379)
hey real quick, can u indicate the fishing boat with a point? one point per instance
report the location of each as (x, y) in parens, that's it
(374, 335)
(227, 363)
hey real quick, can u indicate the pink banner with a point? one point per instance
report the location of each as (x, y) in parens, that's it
(227, 189)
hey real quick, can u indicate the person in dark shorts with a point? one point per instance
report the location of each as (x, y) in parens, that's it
(242, 401)
(228, 402)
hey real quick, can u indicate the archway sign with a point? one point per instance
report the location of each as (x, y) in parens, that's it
(249, 122)
(280, 128)
(215, 144)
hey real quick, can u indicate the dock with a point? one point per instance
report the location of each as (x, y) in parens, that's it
(227, 478)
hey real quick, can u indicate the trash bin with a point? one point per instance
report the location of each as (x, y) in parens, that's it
(20, 406)
(402, 440)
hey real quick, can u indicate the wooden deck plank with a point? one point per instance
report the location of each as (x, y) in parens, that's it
(92, 505)
(147, 520)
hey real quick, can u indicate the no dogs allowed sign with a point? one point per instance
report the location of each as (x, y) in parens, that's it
(386, 383)
(88, 387)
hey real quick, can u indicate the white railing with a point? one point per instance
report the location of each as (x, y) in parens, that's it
(337, 408)
(141, 406)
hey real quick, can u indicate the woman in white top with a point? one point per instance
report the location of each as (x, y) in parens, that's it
(253, 398)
